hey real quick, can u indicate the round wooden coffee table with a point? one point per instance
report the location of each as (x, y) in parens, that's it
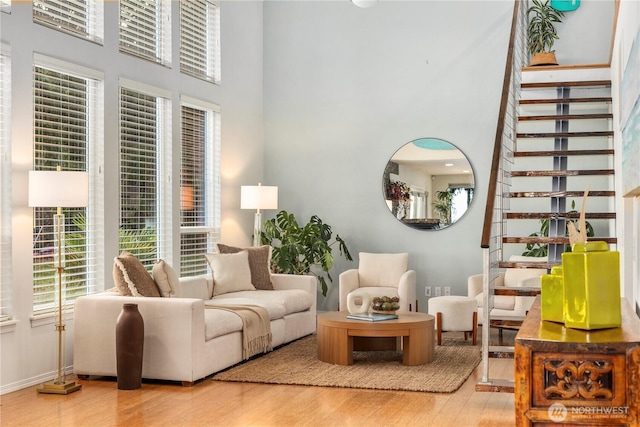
(336, 336)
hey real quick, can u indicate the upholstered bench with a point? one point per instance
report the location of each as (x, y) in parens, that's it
(455, 314)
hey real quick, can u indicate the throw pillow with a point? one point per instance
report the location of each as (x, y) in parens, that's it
(231, 272)
(166, 278)
(259, 264)
(132, 278)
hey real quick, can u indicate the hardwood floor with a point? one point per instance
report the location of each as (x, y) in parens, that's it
(213, 403)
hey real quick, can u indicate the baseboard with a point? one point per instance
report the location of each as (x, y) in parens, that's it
(33, 381)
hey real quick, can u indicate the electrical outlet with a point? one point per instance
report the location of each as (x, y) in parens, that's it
(438, 291)
(447, 290)
(427, 291)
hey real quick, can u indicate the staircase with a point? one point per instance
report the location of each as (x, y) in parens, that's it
(563, 144)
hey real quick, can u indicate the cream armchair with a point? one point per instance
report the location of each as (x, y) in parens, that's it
(380, 275)
(509, 307)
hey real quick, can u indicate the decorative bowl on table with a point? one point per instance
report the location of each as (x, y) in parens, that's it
(385, 305)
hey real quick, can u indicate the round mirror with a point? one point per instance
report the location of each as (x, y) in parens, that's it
(428, 184)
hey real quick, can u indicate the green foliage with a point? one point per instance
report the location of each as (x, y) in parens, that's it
(444, 205)
(297, 249)
(541, 32)
(542, 250)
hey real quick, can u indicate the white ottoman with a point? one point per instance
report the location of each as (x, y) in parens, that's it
(455, 313)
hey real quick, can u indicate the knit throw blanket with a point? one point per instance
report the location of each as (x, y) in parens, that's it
(256, 327)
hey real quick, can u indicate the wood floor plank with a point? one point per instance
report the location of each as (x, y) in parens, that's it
(213, 403)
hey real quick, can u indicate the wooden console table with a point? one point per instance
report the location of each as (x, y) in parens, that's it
(571, 376)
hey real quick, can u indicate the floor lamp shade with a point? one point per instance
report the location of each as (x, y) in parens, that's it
(58, 189)
(258, 197)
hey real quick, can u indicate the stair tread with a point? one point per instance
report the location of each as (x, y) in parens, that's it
(566, 117)
(557, 153)
(519, 264)
(563, 134)
(580, 172)
(606, 99)
(581, 83)
(555, 215)
(530, 194)
(553, 240)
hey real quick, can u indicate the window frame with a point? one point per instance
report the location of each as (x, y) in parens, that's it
(208, 197)
(130, 42)
(91, 28)
(94, 155)
(163, 245)
(200, 50)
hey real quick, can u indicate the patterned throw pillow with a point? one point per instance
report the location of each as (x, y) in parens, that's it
(259, 263)
(231, 272)
(132, 278)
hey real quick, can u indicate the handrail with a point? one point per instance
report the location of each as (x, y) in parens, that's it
(497, 145)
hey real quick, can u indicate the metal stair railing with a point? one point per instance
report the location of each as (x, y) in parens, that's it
(499, 180)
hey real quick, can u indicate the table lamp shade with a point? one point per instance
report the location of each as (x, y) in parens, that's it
(258, 197)
(64, 189)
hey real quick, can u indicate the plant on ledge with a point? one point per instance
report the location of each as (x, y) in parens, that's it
(296, 250)
(541, 32)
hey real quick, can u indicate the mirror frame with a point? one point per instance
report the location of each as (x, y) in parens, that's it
(414, 199)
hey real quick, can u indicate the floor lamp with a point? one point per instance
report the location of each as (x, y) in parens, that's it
(61, 190)
(258, 197)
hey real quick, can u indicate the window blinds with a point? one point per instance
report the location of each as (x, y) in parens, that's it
(199, 196)
(5, 185)
(82, 18)
(64, 111)
(199, 39)
(145, 29)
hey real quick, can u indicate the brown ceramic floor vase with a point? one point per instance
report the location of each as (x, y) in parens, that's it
(129, 346)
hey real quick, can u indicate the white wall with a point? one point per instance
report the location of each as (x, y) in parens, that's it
(628, 221)
(346, 87)
(27, 351)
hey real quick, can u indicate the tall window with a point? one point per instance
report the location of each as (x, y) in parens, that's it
(67, 132)
(82, 18)
(5, 184)
(145, 29)
(200, 39)
(199, 188)
(144, 130)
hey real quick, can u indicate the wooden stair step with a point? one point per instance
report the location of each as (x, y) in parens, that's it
(563, 153)
(516, 292)
(554, 240)
(563, 172)
(555, 215)
(605, 99)
(533, 194)
(602, 133)
(519, 264)
(557, 117)
(583, 83)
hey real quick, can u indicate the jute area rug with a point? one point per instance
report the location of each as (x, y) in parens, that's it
(297, 363)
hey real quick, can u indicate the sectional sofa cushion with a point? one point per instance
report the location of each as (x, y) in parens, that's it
(231, 272)
(259, 264)
(132, 278)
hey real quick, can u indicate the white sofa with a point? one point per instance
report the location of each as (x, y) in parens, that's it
(183, 341)
(508, 307)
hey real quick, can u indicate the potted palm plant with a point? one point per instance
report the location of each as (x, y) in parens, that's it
(302, 250)
(541, 32)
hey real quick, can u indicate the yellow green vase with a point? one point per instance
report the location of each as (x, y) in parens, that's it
(552, 295)
(591, 286)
